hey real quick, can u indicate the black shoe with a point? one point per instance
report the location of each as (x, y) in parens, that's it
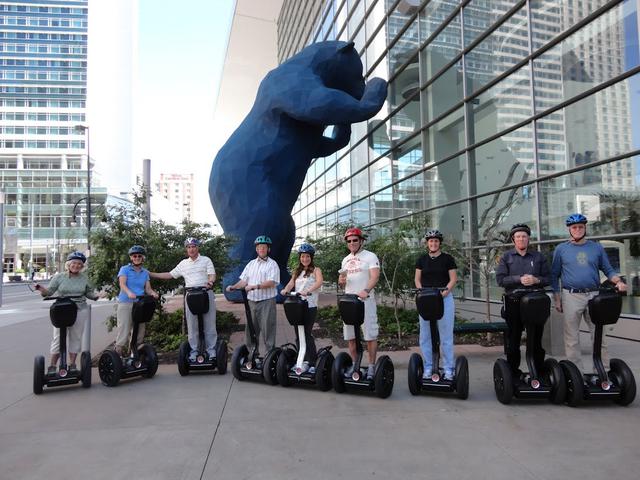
(73, 370)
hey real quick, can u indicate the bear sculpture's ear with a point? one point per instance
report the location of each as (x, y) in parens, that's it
(348, 47)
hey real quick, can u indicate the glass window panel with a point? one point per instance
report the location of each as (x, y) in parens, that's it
(360, 185)
(480, 15)
(331, 200)
(409, 196)
(445, 137)
(405, 121)
(500, 51)
(501, 106)
(405, 85)
(382, 206)
(360, 212)
(344, 214)
(595, 128)
(446, 182)
(552, 17)
(434, 14)
(441, 50)
(378, 45)
(330, 176)
(407, 158)
(504, 161)
(600, 51)
(406, 46)
(359, 156)
(344, 185)
(380, 173)
(607, 194)
(442, 94)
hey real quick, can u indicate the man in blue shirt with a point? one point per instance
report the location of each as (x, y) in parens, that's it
(577, 264)
(521, 268)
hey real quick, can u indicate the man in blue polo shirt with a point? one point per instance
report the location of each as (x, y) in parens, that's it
(577, 264)
(134, 282)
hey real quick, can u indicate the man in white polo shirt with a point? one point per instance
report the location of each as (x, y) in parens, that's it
(260, 278)
(359, 274)
(197, 271)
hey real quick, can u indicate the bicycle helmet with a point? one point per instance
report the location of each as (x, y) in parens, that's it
(519, 227)
(575, 218)
(192, 241)
(137, 249)
(306, 248)
(262, 239)
(433, 234)
(76, 256)
(353, 231)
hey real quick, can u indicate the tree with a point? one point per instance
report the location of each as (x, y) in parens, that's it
(125, 226)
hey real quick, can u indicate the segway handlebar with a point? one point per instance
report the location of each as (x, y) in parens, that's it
(414, 291)
(65, 297)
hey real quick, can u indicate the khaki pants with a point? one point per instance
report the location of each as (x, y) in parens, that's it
(575, 308)
(125, 326)
(263, 314)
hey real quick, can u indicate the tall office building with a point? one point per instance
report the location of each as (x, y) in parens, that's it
(43, 154)
(177, 189)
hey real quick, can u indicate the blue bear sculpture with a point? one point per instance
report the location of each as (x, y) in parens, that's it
(257, 175)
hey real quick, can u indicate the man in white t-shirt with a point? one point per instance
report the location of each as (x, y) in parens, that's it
(198, 271)
(359, 275)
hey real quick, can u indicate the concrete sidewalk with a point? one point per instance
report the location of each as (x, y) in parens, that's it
(214, 427)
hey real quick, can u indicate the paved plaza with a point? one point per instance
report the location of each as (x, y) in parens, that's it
(214, 427)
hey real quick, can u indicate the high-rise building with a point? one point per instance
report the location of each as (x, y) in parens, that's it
(44, 138)
(177, 189)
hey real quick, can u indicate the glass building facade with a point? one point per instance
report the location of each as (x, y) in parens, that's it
(43, 156)
(499, 112)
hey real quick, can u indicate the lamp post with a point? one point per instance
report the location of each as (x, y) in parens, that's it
(85, 129)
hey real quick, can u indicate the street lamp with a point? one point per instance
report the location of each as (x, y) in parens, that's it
(83, 129)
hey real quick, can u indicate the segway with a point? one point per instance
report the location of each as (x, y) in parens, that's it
(534, 306)
(352, 312)
(63, 313)
(430, 306)
(618, 384)
(197, 301)
(142, 360)
(247, 364)
(290, 367)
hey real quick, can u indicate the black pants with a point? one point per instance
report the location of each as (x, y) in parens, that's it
(311, 352)
(511, 314)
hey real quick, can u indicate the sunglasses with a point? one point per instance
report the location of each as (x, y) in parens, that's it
(353, 240)
(136, 256)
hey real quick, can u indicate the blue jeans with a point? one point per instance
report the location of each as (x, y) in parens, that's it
(445, 328)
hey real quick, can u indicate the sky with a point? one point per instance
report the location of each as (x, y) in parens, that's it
(181, 50)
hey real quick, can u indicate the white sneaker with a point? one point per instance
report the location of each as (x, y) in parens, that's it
(193, 355)
(426, 375)
(312, 370)
(371, 371)
(348, 372)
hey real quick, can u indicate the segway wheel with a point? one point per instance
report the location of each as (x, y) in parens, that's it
(341, 363)
(384, 376)
(269, 366)
(149, 358)
(575, 383)
(414, 373)
(556, 378)
(625, 380)
(502, 381)
(110, 368)
(183, 358)
(286, 360)
(221, 356)
(38, 374)
(238, 357)
(462, 378)
(323, 371)
(85, 369)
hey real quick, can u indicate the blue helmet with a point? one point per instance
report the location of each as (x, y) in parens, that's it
(137, 249)
(575, 218)
(192, 241)
(306, 248)
(262, 239)
(76, 256)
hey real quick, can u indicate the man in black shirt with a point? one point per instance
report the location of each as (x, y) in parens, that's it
(521, 268)
(437, 269)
